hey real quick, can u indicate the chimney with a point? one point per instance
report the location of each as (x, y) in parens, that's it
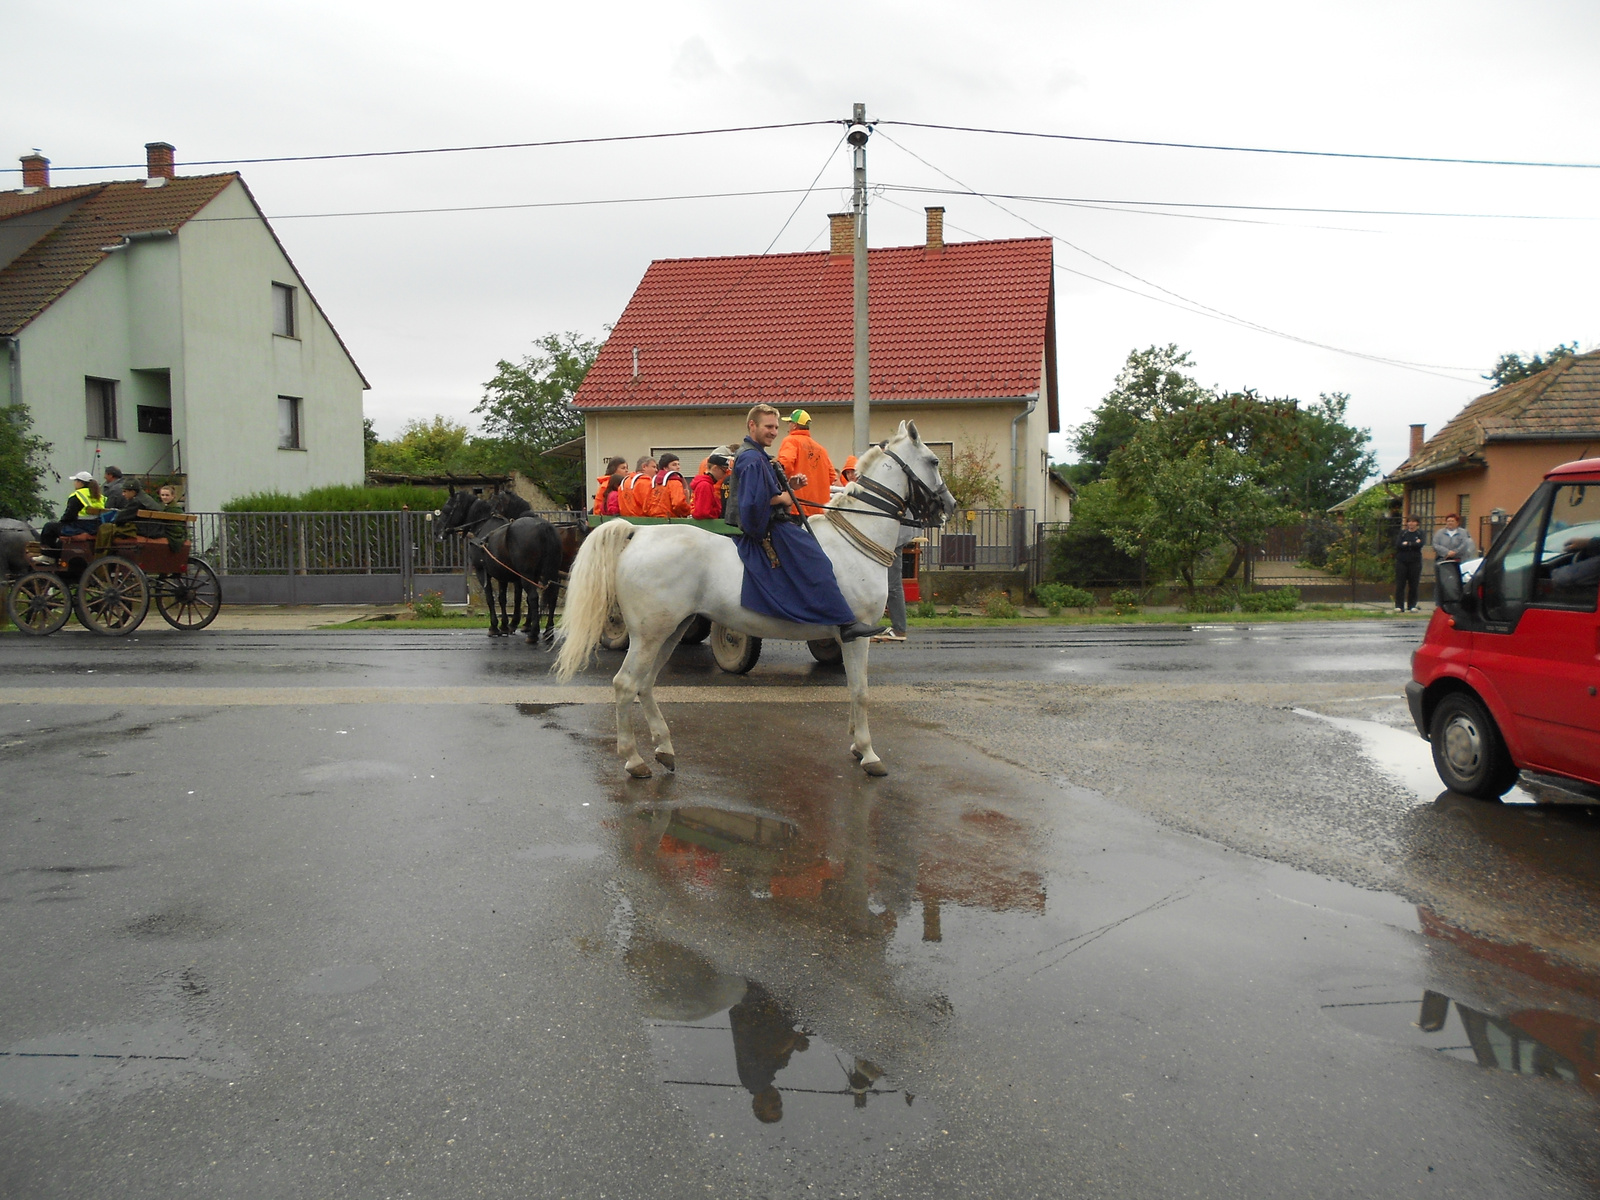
(35, 170)
(158, 159)
(935, 230)
(1417, 438)
(841, 233)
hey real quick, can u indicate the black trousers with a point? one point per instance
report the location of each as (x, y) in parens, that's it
(1407, 579)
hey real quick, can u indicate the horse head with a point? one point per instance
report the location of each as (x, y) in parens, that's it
(449, 518)
(904, 464)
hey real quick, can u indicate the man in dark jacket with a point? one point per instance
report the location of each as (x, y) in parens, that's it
(1408, 565)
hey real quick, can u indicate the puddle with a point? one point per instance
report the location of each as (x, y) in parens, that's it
(1402, 755)
(110, 1062)
(1398, 662)
(1539, 1042)
(583, 852)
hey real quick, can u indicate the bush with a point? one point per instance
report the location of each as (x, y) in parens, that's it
(954, 611)
(1057, 596)
(1285, 599)
(1125, 601)
(924, 609)
(343, 498)
(1214, 602)
(429, 604)
(998, 604)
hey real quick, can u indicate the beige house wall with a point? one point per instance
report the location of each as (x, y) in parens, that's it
(694, 430)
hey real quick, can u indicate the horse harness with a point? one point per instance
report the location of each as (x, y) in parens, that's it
(474, 539)
(921, 503)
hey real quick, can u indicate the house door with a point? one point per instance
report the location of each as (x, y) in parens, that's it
(1547, 666)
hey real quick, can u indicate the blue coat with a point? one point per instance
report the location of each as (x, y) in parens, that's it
(801, 588)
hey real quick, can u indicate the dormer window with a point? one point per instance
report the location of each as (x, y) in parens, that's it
(283, 322)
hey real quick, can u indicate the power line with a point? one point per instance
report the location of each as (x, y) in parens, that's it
(1186, 301)
(585, 141)
(1078, 137)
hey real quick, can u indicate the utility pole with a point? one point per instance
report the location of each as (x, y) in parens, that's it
(857, 136)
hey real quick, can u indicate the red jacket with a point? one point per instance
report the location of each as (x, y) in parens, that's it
(707, 498)
(668, 498)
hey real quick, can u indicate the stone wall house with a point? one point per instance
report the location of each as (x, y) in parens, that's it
(158, 325)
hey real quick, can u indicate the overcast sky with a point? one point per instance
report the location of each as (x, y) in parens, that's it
(428, 302)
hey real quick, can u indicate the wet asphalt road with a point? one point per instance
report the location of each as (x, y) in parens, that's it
(1138, 912)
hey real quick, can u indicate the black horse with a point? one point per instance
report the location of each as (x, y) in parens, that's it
(519, 552)
(14, 538)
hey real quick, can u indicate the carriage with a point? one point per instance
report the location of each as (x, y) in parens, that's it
(111, 588)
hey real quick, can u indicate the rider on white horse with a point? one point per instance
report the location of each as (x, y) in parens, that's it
(786, 573)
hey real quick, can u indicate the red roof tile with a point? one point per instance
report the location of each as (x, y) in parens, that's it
(971, 322)
(67, 250)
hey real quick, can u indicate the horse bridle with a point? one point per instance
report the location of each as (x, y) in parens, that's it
(921, 502)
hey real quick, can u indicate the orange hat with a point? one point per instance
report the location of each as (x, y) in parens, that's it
(849, 464)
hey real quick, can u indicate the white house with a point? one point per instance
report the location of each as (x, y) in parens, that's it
(158, 325)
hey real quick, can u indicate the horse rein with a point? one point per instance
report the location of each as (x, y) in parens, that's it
(920, 503)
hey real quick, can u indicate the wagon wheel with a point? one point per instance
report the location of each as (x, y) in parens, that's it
(113, 596)
(698, 632)
(735, 653)
(826, 650)
(39, 603)
(191, 600)
(615, 634)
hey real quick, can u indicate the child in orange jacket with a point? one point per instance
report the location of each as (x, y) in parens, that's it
(668, 497)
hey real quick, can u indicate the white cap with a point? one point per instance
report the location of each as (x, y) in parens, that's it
(84, 477)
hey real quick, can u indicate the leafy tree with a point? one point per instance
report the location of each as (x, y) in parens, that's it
(1333, 460)
(973, 477)
(1085, 555)
(369, 439)
(22, 465)
(1153, 383)
(527, 407)
(1510, 368)
(424, 448)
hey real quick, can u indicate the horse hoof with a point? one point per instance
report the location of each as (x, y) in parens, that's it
(639, 770)
(667, 759)
(876, 769)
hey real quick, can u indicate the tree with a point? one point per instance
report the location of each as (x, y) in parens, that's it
(973, 477)
(527, 407)
(22, 466)
(1334, 459)
(1511, 368)
(1153, 383)
(433, 447)
(369, 439)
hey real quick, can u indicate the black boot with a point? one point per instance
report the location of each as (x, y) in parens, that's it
(849, 633)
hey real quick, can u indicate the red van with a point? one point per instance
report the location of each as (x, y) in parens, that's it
(1507, 677)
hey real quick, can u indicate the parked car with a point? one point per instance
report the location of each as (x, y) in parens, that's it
(1508, 678)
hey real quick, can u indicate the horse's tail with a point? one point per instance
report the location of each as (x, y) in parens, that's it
(591, 591)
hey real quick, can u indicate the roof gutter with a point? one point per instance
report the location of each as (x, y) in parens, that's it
(1466, 462)
(1016, 464)
(13, 369)
(141, 235)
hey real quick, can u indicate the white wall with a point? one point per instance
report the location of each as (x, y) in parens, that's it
(236, 368)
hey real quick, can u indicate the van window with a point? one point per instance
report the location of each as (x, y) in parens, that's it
(1507, 574)
(1569, 564)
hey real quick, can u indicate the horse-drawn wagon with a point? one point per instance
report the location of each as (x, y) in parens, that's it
(112, 586)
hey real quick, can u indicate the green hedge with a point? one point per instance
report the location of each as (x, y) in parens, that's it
(343, 498)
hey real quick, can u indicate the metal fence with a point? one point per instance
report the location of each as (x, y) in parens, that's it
(983, 539)
(333, 557)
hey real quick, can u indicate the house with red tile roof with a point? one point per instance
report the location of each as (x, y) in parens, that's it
(962, 339)
(158, 325)
(1493, 453)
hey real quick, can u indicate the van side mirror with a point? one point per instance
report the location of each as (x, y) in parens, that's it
(1447, 589)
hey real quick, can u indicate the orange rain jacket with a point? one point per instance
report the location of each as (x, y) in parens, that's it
(801, 454)
(600, 486)
(668, 497)
(635, 500)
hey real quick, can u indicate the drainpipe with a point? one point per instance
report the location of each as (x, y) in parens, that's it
(1016, 464)
(14, 369)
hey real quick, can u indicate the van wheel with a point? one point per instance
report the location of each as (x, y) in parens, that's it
(734, 652)
(1468, 751)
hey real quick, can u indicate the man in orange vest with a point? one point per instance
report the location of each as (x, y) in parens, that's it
(668, 497)
(635, 500)
(806, 464)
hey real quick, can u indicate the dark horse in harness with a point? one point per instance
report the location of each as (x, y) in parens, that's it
(507, 546)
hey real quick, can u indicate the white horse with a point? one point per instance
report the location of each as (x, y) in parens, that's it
(663, 576)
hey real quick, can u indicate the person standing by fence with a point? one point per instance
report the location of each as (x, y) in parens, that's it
(1408, 565)
(1453, 543)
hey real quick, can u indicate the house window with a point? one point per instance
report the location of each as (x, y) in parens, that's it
(1421, 498)
(290, 430)
(1463, 503)
(283, 323)
(101, 402)
(155, 420)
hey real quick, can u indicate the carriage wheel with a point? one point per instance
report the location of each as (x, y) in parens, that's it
(698, 632)
(615, 634)
(39, 603)
(113, 596)
(192, 600)
(826, 650)
(735, 653)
